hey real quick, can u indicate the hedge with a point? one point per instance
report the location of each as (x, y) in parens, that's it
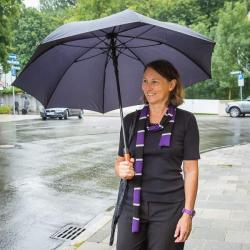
(5, 109)
(8, 90)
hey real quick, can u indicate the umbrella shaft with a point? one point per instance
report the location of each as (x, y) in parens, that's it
(115, 63)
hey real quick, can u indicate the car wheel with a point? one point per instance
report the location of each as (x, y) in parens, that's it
(234, 112)
(60, 118)
(66, 114)
(44, 118)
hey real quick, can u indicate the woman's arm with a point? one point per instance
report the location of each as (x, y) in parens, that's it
(184, 226)
(191, 172)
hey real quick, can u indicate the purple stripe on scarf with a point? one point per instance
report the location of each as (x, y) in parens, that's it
(138, 166)
(135, 226)
(137, 196)
(165, 140)
(155, 127)
(140, 138)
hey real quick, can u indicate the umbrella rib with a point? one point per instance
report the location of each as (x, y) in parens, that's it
(143, 24)
(103, 52)
(132, 38)
(120, 52)
(144, 46)
(88, 51)
(147, 39)
(137, 57)
(100, 39)
(108, 57)
(58, 81)
(84, 47)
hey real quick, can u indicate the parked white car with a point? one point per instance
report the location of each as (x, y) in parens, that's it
(61, 113)
(236, 109)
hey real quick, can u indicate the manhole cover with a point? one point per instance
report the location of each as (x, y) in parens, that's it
(68, 232)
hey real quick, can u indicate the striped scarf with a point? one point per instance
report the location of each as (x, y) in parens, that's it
(168, 118)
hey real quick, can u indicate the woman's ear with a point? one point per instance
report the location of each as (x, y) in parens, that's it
(172, 84)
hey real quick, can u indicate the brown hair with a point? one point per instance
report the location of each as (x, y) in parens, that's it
(168, 71)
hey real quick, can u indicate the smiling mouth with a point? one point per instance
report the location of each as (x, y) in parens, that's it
(150, 95)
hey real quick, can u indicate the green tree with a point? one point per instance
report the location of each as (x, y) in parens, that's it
(53, 5)
(9, 11)
(31, 28)
(233, 46)
(209, 10)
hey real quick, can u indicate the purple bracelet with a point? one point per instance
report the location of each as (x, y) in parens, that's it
(189, 212)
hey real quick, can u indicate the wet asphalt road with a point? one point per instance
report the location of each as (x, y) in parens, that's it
(61, 172)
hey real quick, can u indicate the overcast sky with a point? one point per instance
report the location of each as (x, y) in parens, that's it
(31, 3)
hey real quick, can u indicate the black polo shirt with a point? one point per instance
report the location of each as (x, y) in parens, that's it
(162, 178)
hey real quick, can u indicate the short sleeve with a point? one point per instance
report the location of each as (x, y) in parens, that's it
(191, 140)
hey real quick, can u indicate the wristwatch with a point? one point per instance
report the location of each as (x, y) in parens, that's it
(189, 212)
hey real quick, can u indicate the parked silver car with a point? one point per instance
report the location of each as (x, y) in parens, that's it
(236, 109)
(60, 113)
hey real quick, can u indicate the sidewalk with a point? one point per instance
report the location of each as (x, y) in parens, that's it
(11, 118)
(222, 221)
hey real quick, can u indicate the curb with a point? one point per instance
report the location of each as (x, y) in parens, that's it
(92, 227)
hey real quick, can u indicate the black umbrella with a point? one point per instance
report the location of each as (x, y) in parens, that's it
(83, 64)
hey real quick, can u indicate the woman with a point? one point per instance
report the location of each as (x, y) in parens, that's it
(158, 204)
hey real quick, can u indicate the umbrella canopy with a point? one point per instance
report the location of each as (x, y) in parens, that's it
(77, 65)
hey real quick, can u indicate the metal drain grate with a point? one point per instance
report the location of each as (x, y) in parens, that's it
(68, 232)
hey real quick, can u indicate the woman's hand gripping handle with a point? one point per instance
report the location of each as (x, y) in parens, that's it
(124, 167)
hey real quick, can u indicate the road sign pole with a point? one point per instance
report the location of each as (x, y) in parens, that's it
(14, 66)
(13, 92)
(241, 84)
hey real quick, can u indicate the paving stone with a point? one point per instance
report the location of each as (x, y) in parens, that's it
(215, 214)
(229, 178)
(230, 197)
(238, 236)
(202, 197)
(221, 245)
(209, 234)
(246, 226)
(222, 205)
(240, 216)
(201, 222)
(245, 247)
(101, 234)
(194, 244)
(95, 246)
(228, 225)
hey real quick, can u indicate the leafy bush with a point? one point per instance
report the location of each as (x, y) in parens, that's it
(5, 109)
(8, 91)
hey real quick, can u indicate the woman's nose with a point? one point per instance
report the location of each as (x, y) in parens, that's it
(148, 86)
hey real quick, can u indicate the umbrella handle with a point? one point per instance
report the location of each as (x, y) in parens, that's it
(127, 157)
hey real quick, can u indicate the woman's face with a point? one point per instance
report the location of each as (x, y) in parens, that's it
(155, 87)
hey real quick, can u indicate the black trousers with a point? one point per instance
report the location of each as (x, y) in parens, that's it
(157, 226)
